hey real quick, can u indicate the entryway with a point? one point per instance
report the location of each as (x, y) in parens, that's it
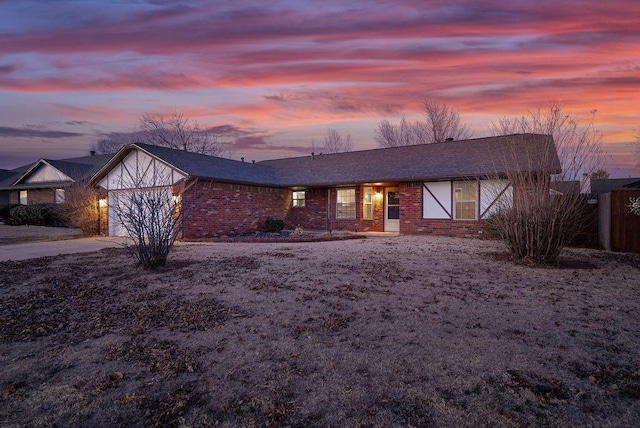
(391, 209)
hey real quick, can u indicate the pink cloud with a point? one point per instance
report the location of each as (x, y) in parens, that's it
(336, 62)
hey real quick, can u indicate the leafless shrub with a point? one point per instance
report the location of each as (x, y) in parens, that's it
(80, 209)
(544, 212)
(152, 218)
(149, 211)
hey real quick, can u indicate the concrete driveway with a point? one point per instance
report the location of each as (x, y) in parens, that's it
(31, 250)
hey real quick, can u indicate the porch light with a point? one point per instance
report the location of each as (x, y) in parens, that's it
(378, 195)
(102, 203)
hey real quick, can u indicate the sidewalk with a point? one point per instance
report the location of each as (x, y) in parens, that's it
(31, 250)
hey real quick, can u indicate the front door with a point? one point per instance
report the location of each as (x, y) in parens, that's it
(391, 209)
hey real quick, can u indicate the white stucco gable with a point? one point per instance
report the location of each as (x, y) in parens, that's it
(140, 170)
(42, 172)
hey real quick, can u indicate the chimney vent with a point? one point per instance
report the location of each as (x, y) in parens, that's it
(92, 152)
(242, 159)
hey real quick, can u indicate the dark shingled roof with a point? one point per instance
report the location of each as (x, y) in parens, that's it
(6, 174)
(448, 160)
(606, 186)
(198, 165)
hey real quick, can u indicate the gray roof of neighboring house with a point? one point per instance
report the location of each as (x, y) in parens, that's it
(566, 187)
(448, 160)
(5, 174)
(79, 169)
(606, 186)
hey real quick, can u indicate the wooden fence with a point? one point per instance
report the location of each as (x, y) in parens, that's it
(619, 228)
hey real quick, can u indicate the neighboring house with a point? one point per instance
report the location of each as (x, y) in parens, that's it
(605, 186)
(46, 180)
(5, 175)
(441, 188)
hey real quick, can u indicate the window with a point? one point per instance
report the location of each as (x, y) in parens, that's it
(465, 195)
(346, 203)
(367, 203)
(59, 197)
(298, 199)
(23, 197)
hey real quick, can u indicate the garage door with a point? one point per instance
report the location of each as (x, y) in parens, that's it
(120, 201)
(117, 198)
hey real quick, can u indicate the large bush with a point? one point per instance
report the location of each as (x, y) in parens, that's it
(80, 209)
(540, 221)
(273, 225)
(5, 212)
(36, 215)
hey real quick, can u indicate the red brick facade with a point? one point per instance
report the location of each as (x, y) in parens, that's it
(317, 214)
(314, 213)
(411, 221)
(214, 209)
(34, 196)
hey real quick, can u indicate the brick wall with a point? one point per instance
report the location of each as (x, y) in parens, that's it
(411, 221)
(217, 209)
(34, 196)
(313, 215)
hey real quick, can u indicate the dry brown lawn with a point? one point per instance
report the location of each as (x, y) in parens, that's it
(398, 331)
(21, 234)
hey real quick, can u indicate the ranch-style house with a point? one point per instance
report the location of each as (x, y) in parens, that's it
(445, 188)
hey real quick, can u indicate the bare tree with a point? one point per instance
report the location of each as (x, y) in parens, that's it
(112, 143)
(388, 134)
(150, 212)
(180, 133)
(542, 217)
(333, 142)
(600, 174)
(441, 122)
(174, 131)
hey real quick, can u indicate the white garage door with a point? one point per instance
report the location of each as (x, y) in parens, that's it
(120, 201)
(116, 197)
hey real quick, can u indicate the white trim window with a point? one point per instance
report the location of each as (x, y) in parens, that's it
(299, 199)
(367, 203)
(465, 195)
(346, 203)
(23, 197)
(59, 196)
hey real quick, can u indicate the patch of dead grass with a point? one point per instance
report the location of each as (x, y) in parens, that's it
(405, 331)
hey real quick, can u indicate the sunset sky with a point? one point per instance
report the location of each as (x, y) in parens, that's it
(279, 73)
